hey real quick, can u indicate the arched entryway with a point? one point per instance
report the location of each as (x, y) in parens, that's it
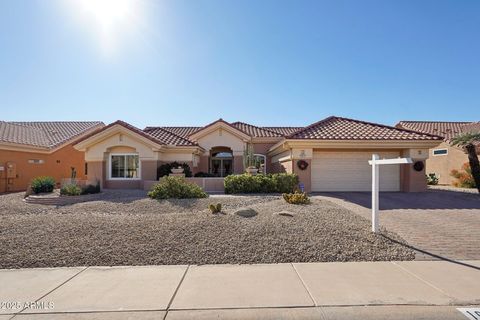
(221, 161)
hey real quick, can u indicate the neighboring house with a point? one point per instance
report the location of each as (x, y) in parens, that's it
(31, 149)
(336, 151)
(444, 157)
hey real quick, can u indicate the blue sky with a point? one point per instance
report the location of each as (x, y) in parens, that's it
(265, 62)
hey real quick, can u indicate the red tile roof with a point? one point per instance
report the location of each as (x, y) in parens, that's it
(168, 137)
(251, 130)
(255, 131)
(183, 132)
(284, 131)
(46, 135)
(442, 128)
(471, 127)
(338, 128)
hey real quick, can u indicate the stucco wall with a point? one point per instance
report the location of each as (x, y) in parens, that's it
(96, 172)
(304, 176)
(56, 165)
(238, 164)
(222, 138)
(442, 165)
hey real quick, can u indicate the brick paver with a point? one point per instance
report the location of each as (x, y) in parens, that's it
(439, 224)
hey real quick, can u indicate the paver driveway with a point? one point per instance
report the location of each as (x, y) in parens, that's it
(438, 224)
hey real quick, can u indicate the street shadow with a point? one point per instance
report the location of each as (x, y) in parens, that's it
(430, 254)
(429, 200)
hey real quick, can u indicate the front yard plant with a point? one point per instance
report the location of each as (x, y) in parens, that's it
(176, 187)
(91, 189)
(43, 184)
(432, 179)
(261, 183)
(296, 198)
(71, 190)
(464, 177)
(215, 208)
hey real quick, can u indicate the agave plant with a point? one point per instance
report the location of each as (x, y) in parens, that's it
(466, 141)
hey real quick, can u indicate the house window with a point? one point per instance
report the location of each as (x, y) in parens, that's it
(124, 166)
(36, 161)
(86, 168)
(260, 162)
(440, 152)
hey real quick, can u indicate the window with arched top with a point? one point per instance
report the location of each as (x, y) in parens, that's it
(260, 162)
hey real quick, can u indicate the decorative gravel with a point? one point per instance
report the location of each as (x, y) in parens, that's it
(126, 228)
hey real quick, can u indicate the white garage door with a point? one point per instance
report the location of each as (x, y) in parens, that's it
(350, 171)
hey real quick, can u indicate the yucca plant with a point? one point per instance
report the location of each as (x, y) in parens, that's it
(466, 141)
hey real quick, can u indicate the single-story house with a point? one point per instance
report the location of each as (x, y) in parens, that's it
(443, 158)
(31, 149)
(328, 155)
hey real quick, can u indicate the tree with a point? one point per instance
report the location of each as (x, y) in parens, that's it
(466, 141)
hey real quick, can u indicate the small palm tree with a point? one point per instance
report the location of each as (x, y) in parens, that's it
(466, 141)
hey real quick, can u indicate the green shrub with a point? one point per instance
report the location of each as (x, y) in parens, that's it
(43, 184)
(71, 190)
(176, 187)
(261, 183)
(296, 198)
(203, 175)
(91, 189)
(215, 208)
(432, 179)
(166, 169)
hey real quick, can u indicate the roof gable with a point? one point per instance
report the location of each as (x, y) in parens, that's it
(220, 123)
(110, 129)
(338, 128)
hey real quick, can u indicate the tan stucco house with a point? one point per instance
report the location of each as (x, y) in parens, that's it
(444, 157)
(335, 149)
(31, 149)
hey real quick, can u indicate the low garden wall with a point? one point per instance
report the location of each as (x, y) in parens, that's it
(56, 200)
(207, 184)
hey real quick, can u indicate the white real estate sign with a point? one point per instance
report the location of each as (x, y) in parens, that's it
(375, 163)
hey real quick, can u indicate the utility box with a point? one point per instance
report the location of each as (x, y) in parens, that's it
(11, 170)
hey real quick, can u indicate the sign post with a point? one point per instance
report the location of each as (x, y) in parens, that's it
(375, 163)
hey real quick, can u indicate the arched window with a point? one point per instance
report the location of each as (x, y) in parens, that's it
(260, 162)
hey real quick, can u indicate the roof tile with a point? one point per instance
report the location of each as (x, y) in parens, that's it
(44, 134)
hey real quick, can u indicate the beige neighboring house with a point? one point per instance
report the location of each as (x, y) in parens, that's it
(444, 157)
(328, 155)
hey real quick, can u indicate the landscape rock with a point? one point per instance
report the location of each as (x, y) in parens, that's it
(284, 213)
(245, 212)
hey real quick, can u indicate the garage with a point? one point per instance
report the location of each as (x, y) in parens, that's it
(350, 171)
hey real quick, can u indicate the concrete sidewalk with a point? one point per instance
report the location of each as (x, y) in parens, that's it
(378, 290)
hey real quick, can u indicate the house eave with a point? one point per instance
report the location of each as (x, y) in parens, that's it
(351, 144)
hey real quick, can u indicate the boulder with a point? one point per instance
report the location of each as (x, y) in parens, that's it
(284, 213)
(245, 212)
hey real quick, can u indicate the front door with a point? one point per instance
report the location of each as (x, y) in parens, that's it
(221, 164)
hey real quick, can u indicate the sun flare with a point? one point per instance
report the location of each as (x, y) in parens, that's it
(110, 20)
(108, 12)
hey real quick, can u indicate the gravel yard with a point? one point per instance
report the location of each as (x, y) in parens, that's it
(124, 227)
